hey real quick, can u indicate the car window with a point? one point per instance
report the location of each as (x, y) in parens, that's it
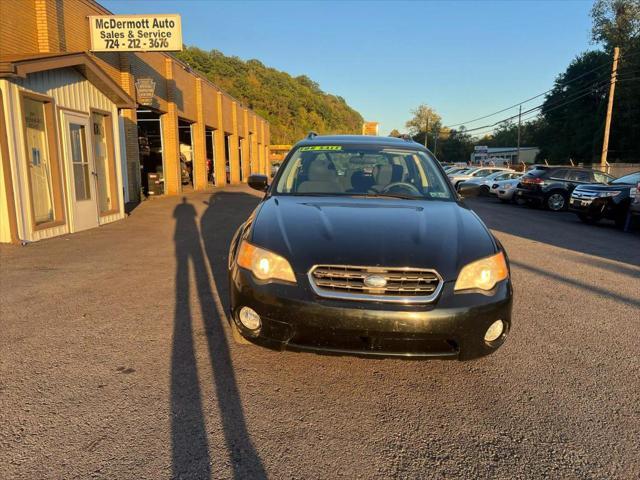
(358, 170)
(631, 179)
(503, 176)
(483, 172)
(560, 174)
(579, 176)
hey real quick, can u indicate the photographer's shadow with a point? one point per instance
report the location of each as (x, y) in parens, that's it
(191, 454)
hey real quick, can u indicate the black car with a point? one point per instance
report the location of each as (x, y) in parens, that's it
(592, 203)
(381, 259)
(551, 187)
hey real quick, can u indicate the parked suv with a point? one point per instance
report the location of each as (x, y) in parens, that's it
(594, 202)
(551, 187)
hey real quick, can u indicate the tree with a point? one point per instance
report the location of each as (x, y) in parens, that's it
(616, 23)
(456, 146)
(394, 133)
(293, 106)
(425, 121)
(575, 109)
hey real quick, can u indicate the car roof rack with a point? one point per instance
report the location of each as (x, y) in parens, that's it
(311, 135)
(406, 137)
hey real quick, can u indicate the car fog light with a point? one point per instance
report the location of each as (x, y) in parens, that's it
(494, 331)
(249, 318)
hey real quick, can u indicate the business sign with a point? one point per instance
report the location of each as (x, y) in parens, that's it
(481, 149)
(135, 33)
(145, 88)
(370, 128)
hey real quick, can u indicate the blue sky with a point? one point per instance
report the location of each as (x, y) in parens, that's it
(463, 58)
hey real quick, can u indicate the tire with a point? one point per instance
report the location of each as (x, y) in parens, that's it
(588, 219)
(556, 201)
(484, 191)
(237, 336)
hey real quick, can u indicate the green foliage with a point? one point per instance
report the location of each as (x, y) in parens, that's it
(457, 147)
(615, 22)
(394, 133)
(292, 105)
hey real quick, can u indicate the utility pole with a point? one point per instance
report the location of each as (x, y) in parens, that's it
(519, 124)
(426, 133)
(435, 143)
(607, 125)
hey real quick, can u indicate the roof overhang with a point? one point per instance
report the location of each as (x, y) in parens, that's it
(21, 66)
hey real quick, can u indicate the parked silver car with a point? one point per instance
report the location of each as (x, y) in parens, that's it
(485, 183)
(505, 189)
(478, 172)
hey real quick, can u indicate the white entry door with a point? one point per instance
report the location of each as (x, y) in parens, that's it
(80, 171)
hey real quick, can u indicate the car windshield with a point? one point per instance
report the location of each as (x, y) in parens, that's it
(362, 171)
(631, 179)
(482, 173)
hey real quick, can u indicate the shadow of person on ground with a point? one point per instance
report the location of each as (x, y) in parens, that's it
(191, 457)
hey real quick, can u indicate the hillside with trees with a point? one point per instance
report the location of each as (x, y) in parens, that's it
(292, 105)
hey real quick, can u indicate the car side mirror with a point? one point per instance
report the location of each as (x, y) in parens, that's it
(466, 189)
(258, 182)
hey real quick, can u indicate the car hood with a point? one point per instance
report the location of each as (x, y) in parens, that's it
(461, 177)
(309, 230)
(599, 187)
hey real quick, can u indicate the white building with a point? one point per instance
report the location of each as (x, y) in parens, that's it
(61, 146)
(501, 155)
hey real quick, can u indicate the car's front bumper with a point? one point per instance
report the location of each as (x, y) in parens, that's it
(596, 206)
(505, 194)
(294, 317)
(535, 196)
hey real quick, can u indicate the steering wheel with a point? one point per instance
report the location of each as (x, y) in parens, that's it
(403, 185)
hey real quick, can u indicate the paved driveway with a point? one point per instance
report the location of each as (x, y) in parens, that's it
(115, 362)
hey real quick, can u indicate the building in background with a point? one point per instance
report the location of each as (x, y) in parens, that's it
(370, 128)
(82, 132)
(482, 155)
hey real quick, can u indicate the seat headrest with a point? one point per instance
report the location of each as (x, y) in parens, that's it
(383, 174)
(321, 170)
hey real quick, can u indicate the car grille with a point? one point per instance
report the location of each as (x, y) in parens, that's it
(401, 285)
(584, 194)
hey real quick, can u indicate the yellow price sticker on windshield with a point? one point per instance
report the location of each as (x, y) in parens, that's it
(320, 148)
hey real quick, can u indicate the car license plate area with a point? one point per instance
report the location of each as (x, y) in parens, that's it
(351, 341)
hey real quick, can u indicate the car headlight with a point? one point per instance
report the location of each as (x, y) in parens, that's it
(483, 274)
(608, 194)
(264, 265)
(509, 186)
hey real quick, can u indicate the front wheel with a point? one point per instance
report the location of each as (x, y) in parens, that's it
(556, 201)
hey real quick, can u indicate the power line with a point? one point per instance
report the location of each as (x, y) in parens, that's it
(527, 100)
(555, 106)
(622, 56)
(575, 96)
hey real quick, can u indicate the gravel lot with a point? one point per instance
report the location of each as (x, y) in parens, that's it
(115, 362)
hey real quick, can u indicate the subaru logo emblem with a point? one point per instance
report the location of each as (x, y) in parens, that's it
(375, 281)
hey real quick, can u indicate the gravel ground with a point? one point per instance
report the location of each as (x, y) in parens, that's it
(115, 362)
